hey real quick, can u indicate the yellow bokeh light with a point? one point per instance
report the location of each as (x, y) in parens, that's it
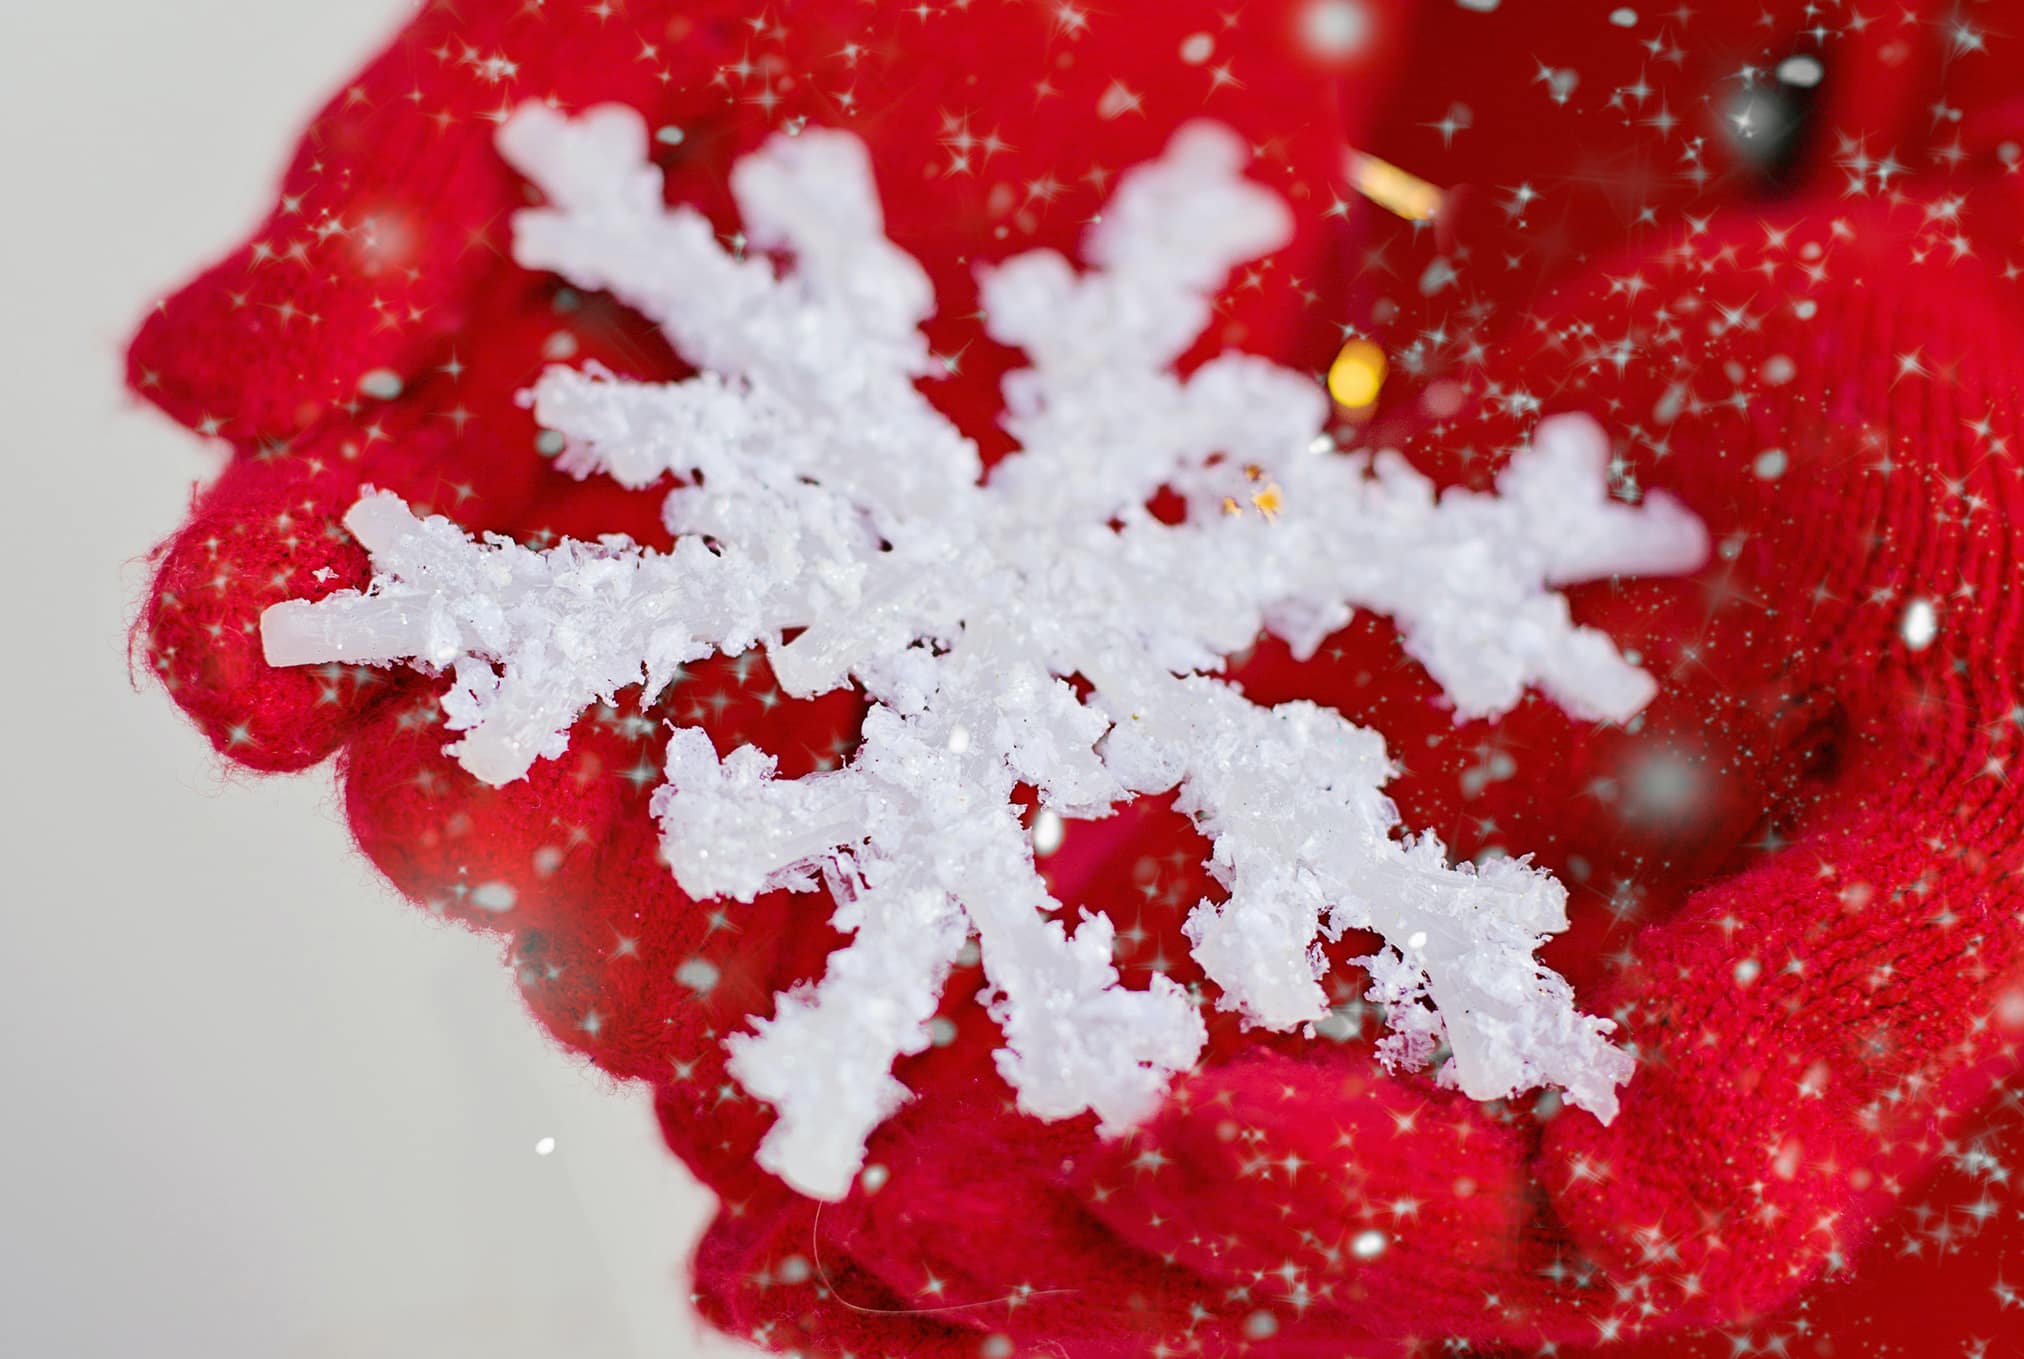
(1393, 189)
(1357, 375)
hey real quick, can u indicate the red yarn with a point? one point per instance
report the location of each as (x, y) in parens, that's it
(1795, 879)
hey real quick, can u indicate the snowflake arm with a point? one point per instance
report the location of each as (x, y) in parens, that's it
(825, 1057)
(580, 622)
(825, 339)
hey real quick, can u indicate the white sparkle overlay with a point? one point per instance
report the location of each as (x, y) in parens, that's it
(821, 492)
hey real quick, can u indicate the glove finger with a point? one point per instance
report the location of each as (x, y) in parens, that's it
(270, 529)
(963, 1155)
(255, 538)
(1808, 1032)
(1317, 1182)
(765, 1271)
(393, 214)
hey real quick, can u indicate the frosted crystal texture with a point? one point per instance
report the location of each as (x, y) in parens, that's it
(838, 501)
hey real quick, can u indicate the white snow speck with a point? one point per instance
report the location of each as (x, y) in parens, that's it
(494, 896)
(1920, 625)
(1801, 71)
(381, 384)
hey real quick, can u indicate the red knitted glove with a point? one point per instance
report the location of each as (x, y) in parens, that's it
(1807, 1021)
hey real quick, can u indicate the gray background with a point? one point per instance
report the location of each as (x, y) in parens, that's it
(250, 1103)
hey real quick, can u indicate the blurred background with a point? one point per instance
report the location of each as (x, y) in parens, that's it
(250, 1103)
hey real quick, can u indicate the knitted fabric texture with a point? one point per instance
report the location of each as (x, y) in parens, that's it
(1795, 877)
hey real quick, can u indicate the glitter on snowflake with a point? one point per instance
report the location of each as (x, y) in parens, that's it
(824, 498)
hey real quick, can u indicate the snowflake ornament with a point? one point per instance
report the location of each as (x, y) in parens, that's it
(1038, 627)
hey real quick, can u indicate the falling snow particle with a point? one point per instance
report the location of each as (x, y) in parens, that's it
(1671, 402)
(1770, 464)
(1334, 29)
(381, 384)
(699, 975)
(493, 896)
(1663, 787)
(1197, 48)
(1920, 625)
(2010, 1008)
(1118, 100)
(1369, 1244)
(1801, 72)
(544, 1147)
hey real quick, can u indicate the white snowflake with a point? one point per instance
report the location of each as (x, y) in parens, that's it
(823, 496)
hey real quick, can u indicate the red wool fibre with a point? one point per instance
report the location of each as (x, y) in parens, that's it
(1794, 879)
